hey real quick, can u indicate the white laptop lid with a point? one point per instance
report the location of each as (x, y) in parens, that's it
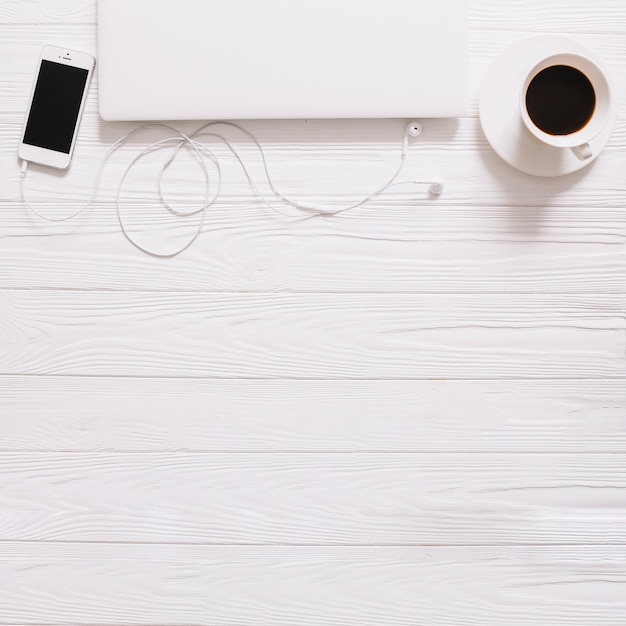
(256, 59)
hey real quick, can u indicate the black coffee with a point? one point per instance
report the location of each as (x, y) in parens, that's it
(560, 100)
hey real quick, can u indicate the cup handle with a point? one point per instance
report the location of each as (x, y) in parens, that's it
(583, 151)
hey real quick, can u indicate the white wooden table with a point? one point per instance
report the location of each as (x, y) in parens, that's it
(412, 413)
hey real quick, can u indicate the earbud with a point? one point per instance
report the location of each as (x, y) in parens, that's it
(205, 155)
(436, 187)
(413, 129)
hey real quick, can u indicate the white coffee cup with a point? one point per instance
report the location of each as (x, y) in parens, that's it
(578, 137)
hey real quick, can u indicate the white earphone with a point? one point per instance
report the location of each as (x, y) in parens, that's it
(413, 129)
(177, 140)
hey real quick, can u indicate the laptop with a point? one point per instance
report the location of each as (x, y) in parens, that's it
(282, 59)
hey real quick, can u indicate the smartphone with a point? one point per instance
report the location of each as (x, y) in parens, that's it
(56, 106)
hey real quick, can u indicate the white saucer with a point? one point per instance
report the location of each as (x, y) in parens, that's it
(500, 114)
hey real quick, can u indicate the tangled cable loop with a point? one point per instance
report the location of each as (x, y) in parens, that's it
(204, 154)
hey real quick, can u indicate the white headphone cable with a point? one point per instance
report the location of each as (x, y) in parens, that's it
(181, 140)
(436, 186)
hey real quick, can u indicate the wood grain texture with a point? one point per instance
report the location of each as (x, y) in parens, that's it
(254, 586)
(316, 498)
(334, 176)
(572, 17)
(337, 176)
(147, 415)
(512, 288)
(46, 12)
(312, 335)
(386, 248)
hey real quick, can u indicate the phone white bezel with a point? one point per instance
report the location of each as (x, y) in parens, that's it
(63, 56)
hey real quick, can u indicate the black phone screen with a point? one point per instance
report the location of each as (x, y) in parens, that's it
(55, 107)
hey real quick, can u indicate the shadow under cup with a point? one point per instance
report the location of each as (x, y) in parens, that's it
(565, 102)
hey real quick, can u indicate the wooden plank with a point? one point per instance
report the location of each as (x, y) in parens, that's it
(147, 415)
(319, 161)
(571, 17)
(312, 335)
(315, 498)
(45, 12)
(483, 14)
(399, 242)
(333, 174)
(373, 586)
(384, 248)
